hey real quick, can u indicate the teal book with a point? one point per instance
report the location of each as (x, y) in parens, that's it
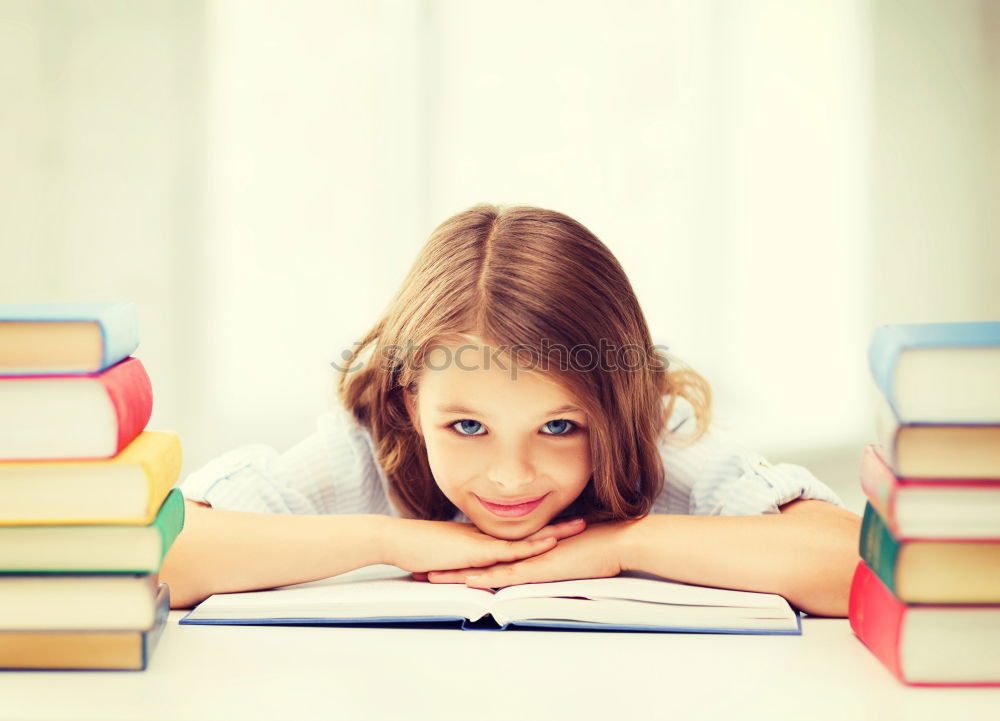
(878, 547)
(66, 338)
(931, 571)
(938, 373)
(111, 548)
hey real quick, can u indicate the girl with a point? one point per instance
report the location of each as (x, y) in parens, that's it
(506, 421)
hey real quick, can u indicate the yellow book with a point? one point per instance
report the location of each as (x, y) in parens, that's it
(126, 489)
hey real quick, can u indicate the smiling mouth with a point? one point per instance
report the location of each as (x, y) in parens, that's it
(512, 510)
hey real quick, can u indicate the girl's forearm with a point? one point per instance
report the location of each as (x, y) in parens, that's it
(224, 551)
(807, 553)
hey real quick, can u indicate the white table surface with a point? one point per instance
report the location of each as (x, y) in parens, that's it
(277, 673)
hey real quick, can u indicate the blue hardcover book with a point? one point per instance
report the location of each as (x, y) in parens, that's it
(66, 338)
(938, 373)
(386, 595)
(96, 650)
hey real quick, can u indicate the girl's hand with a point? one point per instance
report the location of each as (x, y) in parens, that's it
(420, 546)
(594, 553)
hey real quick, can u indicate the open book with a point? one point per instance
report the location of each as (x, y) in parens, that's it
(386, 595)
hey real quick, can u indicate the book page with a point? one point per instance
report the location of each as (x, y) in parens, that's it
(370, 592)
(638, 586)
(613, 612)
(639, 600)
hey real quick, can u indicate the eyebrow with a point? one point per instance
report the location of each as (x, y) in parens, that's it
(568, 408)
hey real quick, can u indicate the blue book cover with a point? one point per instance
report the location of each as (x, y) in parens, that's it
(888, 342)
(488, 624)
(117, 321)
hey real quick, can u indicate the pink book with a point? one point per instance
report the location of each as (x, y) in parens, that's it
(953, 509)
(925, 645)
(69, 417)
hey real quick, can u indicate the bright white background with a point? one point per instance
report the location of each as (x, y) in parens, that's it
(777, 178)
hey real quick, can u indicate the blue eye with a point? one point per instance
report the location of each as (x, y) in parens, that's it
(465, 425)
(567, 427)
(468, 427)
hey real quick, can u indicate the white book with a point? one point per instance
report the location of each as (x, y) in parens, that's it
(386, 594)
(85, 602)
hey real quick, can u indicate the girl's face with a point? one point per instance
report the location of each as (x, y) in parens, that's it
(510, 450)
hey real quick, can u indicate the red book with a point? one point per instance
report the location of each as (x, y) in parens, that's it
(931, 508)
(74, 417)
(925, 645)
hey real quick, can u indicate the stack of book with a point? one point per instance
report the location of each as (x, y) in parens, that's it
(88, 506)
(926, 595)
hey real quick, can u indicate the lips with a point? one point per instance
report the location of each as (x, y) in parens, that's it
(513, 508)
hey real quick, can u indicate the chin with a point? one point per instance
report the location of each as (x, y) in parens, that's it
(510, 531)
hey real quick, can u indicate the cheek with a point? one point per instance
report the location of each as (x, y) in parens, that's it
(570, 464)
(452, 461)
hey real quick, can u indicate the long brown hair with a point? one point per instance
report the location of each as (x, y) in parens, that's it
(539, 283)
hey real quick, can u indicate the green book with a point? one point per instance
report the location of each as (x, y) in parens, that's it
(121, 548)
(878, 547)
(931, 571)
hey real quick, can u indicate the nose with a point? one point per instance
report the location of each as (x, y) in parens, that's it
(511, 468)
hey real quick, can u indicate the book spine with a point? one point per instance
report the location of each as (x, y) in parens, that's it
(151, 638)
(162, 470)
(878, 548)
(119, 325)
(170, 520)
(879, 485)
(876, 617)
(883, 353)
(131, 394)
(887, 431)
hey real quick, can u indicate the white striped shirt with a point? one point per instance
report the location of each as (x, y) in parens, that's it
(336, 470)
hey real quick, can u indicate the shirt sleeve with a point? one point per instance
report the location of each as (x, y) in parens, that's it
(333, 470)
(717, 475)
